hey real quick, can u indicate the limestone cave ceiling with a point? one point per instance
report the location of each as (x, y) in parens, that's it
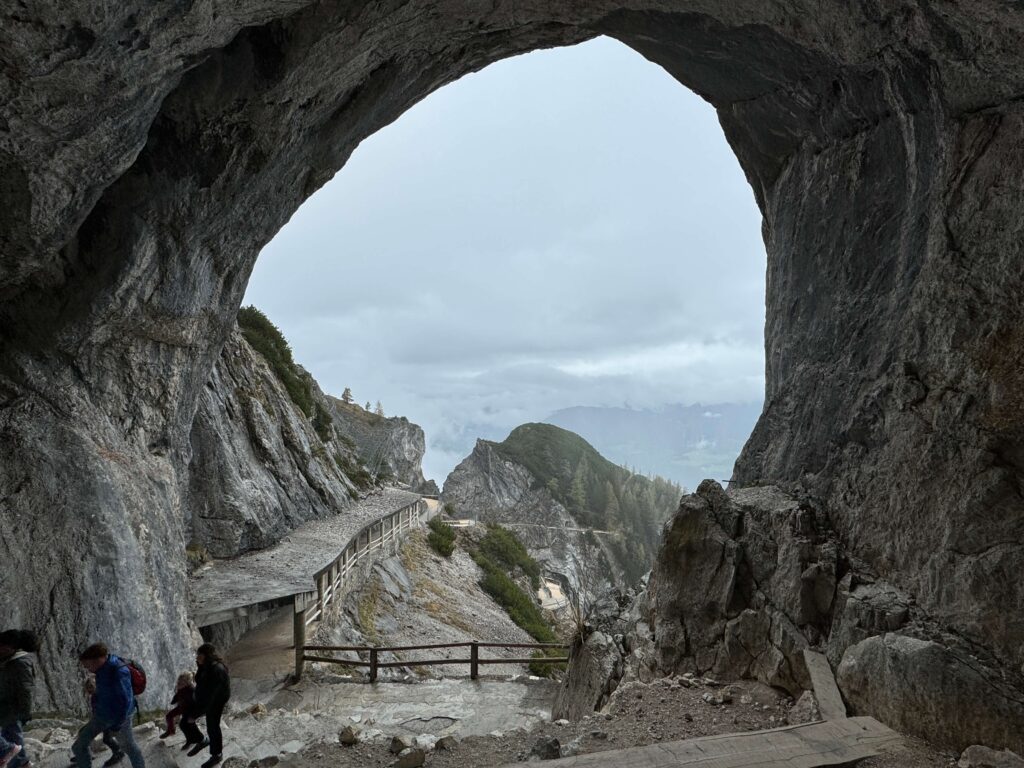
(148, 151)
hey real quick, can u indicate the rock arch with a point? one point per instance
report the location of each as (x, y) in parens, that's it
(147, 153)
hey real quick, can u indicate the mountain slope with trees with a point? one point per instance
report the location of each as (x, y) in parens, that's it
(580, 515)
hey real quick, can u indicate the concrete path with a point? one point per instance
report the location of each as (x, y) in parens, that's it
(288, 567)
(438, 707)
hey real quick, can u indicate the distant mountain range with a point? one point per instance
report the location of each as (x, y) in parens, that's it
(684, 443)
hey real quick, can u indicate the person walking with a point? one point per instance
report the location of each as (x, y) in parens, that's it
(213, 689)
(109, 739)
(184, 694)
(115, 703)
(17, 678)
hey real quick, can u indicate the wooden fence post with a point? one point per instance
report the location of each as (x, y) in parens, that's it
(373, 665)
(474, 660)
(299, 636)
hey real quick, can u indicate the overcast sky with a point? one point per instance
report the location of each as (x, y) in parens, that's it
(567, 227)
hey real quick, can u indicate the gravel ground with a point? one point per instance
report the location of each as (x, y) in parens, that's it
(638, 714)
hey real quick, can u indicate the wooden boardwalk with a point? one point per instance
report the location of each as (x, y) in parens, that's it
(830, 743)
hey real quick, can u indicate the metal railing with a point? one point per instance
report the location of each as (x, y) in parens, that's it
(474, 661)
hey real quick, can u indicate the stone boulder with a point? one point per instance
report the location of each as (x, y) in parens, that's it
(978, 756)
(413, 757)
(591, 678)
(942, 693)
(547, 748)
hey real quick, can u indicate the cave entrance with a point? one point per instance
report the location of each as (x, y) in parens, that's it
(551, 238)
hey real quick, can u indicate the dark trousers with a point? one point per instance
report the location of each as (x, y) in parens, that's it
(192, 733)
(213, 726)
(213, 716)
(110, 740)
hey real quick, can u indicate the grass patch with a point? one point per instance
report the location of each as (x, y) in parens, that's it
(547, 669)
(267, 339)
(196, 555)
(410, 553)
(441, 537)
(367, 611)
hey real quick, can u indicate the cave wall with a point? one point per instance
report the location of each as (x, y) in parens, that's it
(148, 151)
(258, 466)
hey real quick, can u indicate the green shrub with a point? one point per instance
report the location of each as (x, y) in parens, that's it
(547, 669)
(355, 472)
(267, 339)
(520, 606)
(449, 511)
(322, 424)
(502, 547)
(441, 537)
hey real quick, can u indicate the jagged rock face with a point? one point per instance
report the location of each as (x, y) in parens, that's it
(488, 487)
(147, 152)
(938, 689)
(393, 445)
(747, 579)
(737, 577)
(258, 467)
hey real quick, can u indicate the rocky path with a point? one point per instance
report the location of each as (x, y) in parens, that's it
(638, 714)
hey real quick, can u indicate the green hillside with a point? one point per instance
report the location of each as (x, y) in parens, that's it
(597, 493)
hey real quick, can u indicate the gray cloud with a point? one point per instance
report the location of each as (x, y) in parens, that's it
(564, 228)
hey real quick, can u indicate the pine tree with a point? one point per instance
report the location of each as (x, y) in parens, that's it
(367, 406)
(346, 396)
(379, 410)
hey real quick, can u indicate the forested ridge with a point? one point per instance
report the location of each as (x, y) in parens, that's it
(597, 493)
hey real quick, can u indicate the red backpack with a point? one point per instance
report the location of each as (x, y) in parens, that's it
(138, 676)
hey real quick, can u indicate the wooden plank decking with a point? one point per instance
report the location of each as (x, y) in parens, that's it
(830, 701)
(830, 743)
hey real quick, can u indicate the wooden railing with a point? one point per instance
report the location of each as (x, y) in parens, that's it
(373, 664)
(310, 606)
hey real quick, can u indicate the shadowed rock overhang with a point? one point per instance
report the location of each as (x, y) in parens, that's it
(148, 151)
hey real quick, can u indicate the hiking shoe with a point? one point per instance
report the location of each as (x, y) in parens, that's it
(214, 759)
(165, 734)
(188, 745)
(9, 755)
(114, 759)
(196, 749)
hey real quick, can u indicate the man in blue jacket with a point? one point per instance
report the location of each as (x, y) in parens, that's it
(115, 703)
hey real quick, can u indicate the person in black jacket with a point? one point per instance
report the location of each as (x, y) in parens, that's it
(213, 689)
(17, 678)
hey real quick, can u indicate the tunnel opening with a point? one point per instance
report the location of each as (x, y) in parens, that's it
(565, 231)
